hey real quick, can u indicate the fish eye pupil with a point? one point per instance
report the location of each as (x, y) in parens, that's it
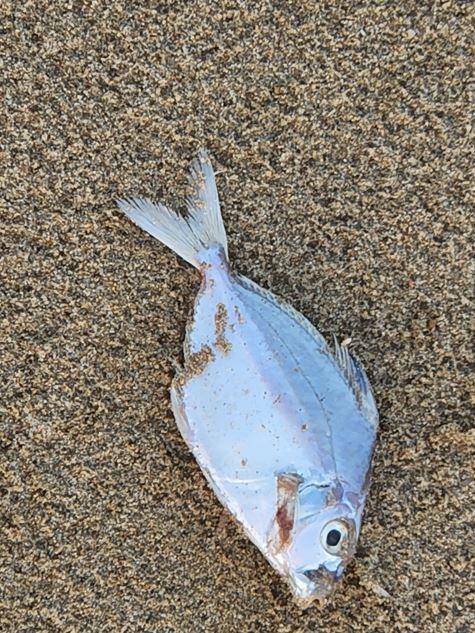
(333, 537)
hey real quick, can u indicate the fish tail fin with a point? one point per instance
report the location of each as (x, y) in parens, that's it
(202, 226)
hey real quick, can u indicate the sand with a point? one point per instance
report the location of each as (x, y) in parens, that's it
(342, 135)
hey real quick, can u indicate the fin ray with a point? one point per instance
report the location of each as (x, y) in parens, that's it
(186, 235)
(358, 381)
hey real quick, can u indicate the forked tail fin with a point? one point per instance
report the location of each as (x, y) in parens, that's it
(200, 228)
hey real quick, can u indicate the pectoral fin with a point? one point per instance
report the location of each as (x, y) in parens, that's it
(282, 526)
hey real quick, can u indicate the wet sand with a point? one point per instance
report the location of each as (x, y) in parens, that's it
(342, 140)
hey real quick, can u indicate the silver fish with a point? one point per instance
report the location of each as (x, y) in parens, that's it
(282, 426)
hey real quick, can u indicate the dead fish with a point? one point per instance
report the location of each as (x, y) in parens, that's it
(282, 426)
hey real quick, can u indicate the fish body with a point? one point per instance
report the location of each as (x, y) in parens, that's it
(282, 426)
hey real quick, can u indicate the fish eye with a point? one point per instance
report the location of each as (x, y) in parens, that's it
(334, 536)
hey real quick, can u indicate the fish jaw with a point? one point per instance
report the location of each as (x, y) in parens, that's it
(313, 585)
(312, 567)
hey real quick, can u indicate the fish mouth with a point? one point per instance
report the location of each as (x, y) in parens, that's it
(314, 584)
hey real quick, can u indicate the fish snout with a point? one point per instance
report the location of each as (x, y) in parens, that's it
(314, 584)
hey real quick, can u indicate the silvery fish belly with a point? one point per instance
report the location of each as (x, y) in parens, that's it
(282, 426)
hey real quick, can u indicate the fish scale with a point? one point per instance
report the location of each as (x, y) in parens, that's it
(282, 427)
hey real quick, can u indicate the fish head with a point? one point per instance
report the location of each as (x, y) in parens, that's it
(323, 541)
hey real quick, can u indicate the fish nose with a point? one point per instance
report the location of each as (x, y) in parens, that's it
(323, 581)
(313, 584)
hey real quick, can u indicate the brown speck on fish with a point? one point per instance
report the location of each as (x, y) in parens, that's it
(239, 316)
(221, 321)
(194, 365)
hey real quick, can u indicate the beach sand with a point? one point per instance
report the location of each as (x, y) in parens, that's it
(341, 134)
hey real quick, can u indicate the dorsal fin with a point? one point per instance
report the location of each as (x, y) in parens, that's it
(285, 307)
(351, 370)
(358, 381)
